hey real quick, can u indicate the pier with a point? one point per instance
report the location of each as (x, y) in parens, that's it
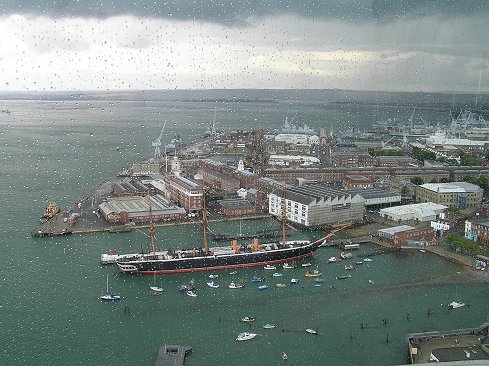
(172, 355)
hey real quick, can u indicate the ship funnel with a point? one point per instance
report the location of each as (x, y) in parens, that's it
(255, 247)
(234, 245)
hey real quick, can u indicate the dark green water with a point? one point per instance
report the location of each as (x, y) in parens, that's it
(49, 287)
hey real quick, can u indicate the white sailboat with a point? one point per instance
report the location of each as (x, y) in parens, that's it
(108, 296)
(156, 289)
(456, 304)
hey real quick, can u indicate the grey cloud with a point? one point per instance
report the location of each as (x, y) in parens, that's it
(238, 12)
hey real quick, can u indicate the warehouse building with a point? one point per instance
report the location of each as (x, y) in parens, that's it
(426, 211)
(124, 210)
(376, 197)
(235, 207)
(401, 235)
(456, 194)
(317, 205)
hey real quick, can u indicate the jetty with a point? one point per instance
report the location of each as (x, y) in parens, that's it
(172, 355)
(381, 251)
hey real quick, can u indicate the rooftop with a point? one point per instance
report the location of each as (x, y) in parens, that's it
(372, 193)
(453, 187)
(396, 229)
(425, 209)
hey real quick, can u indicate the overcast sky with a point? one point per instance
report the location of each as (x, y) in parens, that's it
(415, 45)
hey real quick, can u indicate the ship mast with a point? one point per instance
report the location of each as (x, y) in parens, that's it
(204, 222)
(151, 226)
(284, 219)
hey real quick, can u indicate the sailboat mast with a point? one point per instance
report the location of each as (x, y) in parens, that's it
(480, 78)
(284, 219)
(204, 222)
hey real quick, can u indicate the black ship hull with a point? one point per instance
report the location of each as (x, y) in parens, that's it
(199, 263)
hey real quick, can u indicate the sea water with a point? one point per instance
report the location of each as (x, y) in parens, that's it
(56, 150)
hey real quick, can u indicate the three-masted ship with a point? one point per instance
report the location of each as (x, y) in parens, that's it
(202, 259)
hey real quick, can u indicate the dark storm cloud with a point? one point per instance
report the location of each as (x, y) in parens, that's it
(235, 12)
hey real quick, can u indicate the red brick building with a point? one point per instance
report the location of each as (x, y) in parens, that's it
(184, 192)
(236, 207)
(399, 235)
(357, 181)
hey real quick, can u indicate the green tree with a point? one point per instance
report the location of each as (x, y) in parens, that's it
(417, 180)
(469, 160)
(422, 155)
(404, 191)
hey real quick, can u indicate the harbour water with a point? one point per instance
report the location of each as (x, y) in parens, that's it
(55, 151)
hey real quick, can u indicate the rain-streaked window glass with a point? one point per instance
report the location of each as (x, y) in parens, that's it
(211, 182)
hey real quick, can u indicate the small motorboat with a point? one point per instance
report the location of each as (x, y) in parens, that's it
(280, 285)
(349, 267)
(269, 267)
(213, 276)
(319, 280)
(314, 273)
(191, 293)
(185, 288)
(422, 251)
(156, 289)
(345, 255)
(455, 304)
(245, 336)
(371, 282)
(288, 266)
(262, 287)
(269, 326)
(367, 260)
(233, 273)
(257, 279)
(343, 277)
(284, 356)
(305, 265)
(248, 319)
(359, 263)
(110, 297)
(332, 260)
(212, 284)
(311, 331)
(277, 274)
(236, 285)
(294, 280)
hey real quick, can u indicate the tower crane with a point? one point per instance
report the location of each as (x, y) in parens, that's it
(157, 143)
(384, 144)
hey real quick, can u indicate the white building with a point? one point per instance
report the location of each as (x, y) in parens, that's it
(426, 211)
(317, 205)
(297, 139)
(376, 197)
(286, 160)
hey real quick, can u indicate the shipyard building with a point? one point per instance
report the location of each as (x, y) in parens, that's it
(317, 205)
(185, 192)
(456, 194)
(426, 211)
(124, 210)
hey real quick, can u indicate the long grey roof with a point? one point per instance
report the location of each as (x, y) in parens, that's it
(311, 192)
(371, 193)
